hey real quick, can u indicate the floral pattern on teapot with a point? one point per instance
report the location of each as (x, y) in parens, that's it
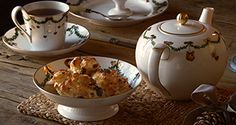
(177, 55)
(189, 45)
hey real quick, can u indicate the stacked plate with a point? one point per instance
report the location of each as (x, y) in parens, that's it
(96, 11)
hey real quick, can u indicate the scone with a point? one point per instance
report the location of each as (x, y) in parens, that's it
(72, 84)
(111, 82)
(84, 66)
(86, 79)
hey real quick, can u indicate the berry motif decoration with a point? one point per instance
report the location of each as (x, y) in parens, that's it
(18, 33)
(188, 46)
(49, 24)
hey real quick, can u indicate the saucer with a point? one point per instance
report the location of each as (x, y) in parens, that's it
(76, 36)
(142, 10)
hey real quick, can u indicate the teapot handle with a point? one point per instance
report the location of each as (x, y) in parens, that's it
(153, 68)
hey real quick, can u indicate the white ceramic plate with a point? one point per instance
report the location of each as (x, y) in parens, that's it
(76, 36)
(142, 10)
(89, 109)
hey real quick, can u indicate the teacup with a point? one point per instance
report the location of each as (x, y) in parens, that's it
(44, 24)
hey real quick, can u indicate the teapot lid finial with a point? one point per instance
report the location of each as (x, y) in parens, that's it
(182, 18)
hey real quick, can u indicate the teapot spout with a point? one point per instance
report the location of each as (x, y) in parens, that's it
(207, 15)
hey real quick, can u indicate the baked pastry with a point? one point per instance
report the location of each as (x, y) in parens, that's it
(111, 82)
(84, 66)
(72, 84)
(86, 79)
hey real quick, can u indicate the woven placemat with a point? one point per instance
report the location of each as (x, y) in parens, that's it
(143, 107)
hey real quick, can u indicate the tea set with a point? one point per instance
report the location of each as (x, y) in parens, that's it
(43, 34)
(173, 56)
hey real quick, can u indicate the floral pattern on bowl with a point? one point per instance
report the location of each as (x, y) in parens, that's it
(89, 109)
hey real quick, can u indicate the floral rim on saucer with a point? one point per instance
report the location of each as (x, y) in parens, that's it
(76, 36)
(142, 10)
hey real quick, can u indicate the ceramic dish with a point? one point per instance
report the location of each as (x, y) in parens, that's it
(90, 109)
(194, 46)
(142, 10)
(76, 36)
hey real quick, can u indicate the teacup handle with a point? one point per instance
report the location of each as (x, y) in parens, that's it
(14, 19)
(153, 67)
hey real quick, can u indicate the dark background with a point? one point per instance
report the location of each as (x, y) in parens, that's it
(6, 7)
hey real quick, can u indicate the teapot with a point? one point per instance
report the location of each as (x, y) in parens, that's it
(175, 56)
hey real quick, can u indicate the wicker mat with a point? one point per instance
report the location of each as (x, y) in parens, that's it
(143, 107)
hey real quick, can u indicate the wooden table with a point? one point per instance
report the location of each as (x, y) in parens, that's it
(16, 70)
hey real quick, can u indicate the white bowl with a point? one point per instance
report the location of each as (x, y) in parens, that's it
(89, 109)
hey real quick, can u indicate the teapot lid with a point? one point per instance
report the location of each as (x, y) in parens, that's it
(182, 26)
